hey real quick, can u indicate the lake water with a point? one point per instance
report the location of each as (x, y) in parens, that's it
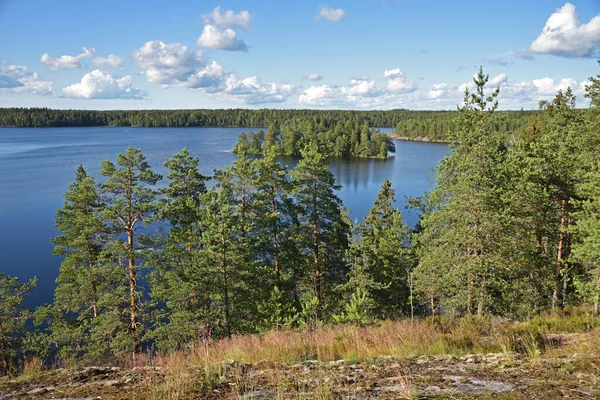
(37, 165)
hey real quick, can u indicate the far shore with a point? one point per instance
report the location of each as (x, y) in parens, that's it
(393, 135)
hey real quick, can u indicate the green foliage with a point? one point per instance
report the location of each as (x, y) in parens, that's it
(278, 312)
(355, 311)
(511, 229)
(355, 140)
(323, 230)
(460, 239)
(13, 317)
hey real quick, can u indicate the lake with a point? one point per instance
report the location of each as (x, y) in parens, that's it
(37, 165)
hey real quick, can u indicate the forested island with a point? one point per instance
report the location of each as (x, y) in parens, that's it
(265, 265)
(434, 125)
(339, 140)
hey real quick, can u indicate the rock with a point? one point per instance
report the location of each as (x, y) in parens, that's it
(41, 390)
(392, 388)
(261, 394)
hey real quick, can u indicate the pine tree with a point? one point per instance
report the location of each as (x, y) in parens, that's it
(179, 285)
(384, 243)
(130, 200)
(88, 278)
(323, 228)
(462, 236)
(223, 258)
(13, 317)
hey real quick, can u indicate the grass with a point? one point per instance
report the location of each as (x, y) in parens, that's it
(296, 364)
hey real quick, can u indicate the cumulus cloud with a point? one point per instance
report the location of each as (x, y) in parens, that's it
(167, 64)
(397, 82)
(175, 64)
(330, 14)
(228, 19)
(442, 91)
(566, 35)
(110, 62)
(18, 79)
(512, 94)
(360, 93)
(99, 84)
(66, 62)
(214, 38)
(314, 77)
(252, 90)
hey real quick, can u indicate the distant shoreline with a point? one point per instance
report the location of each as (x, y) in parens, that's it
(393, 135)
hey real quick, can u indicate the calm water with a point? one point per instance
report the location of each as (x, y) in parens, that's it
(37, 165)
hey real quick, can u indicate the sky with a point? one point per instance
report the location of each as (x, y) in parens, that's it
(339, 54)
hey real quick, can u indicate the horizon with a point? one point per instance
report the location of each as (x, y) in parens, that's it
(357, 55)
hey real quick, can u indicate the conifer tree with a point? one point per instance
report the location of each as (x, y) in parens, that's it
(179, 285)
(88, 280)
(13, 317)
(323, 230)
(462, 236)
(223, 258)
(383, 244)
(129, 200)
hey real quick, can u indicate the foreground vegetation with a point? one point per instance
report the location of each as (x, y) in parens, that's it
(554, 356)
(509, 232)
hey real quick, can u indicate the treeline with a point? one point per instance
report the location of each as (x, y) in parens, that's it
(430, 124)
(509, 230)
(337, 139)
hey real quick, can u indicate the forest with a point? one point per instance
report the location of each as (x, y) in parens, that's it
(434, 125)
(510, 230)
(339, 140)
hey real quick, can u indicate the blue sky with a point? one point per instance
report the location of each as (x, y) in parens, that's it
(359, 54)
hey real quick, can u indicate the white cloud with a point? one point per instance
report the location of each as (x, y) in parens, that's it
(331, 14)
(18, 79)
(167, 64)
(110, 62)
(66, 62)
(104, 85)
(512, 94)
(565, 35)
(314, 77)
(228, 19)
(361, 93)
(397, 82)
(214, 38)
(175, 64)
(252, 90)
(497, 80)
(442, 91)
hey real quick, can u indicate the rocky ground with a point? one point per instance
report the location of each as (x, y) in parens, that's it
(489, 376)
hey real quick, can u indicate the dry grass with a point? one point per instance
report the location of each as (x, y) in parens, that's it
(205, 365)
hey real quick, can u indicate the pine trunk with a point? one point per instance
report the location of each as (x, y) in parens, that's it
(316, 253)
